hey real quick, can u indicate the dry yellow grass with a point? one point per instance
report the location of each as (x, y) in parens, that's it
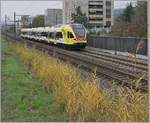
(84, 100)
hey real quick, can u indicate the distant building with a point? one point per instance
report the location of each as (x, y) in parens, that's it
(26, 21)
(53, 17)
(99, 12)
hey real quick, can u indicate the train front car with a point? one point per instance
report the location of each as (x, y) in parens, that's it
(79, 36)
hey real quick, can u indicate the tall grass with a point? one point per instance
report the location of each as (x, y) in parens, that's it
(83, 99)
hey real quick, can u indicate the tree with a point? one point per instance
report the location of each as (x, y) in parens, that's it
(133, 22)
(120, 27)
(128, 13)
(38, 21)
(138, 25)
(79, 17)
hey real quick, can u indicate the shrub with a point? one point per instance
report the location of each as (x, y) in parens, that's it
(83, 99)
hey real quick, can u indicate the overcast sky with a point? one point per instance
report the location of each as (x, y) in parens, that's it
(32, 7)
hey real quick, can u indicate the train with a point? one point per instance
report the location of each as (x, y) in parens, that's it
(72, 36)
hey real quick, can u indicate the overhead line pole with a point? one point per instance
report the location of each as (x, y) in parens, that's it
(15, 28)
(6, 26)
(56, 17)
(15, 24)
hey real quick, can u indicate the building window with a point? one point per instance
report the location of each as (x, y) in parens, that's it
(95, 19)
(96, 1)
(99, 25)
(95, 12)
(108, 13)
(108, 23)
(108, 3)
(99, 12)
(95, 6)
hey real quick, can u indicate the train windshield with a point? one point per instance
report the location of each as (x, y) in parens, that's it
(78, 29)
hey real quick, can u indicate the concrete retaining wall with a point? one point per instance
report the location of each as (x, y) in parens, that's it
(123, 44)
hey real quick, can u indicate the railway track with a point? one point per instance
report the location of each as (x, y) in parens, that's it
(122, 60)
(115, 68)
(140, 61)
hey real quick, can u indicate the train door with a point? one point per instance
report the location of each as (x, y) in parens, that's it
(70, 37)
(51, 37)
(59, 37)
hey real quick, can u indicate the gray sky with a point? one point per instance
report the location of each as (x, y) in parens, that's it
(31, 7)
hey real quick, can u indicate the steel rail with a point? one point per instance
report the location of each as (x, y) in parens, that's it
(133, 65)
(124, 58)
(103, 67)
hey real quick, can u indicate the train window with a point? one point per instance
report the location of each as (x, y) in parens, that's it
(36, 34)
(70, 35)
(45, 34)
(78, 29)
(33, 33)
(24, 33)
(39, 34)
(59, 35)
(29, 33)
(52, 35)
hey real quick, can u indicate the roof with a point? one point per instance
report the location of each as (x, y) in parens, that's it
(58, 27)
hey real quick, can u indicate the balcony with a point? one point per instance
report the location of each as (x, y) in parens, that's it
(95, 9)
(93, 12)
(95, 22)
(108, 19)
(95, 6)
(95, 3)
(108, 7)
(95, 16)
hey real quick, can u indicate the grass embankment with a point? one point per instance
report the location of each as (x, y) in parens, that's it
(83, 100)
(23, 97)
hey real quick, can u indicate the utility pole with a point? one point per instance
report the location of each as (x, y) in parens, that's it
(56, 18)
(6, 26)
(15, 25)
(148, 9)
(30, 22)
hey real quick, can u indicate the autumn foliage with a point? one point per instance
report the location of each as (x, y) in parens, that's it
(83, 99)
(132, 23)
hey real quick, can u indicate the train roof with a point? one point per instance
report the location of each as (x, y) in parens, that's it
(49, 29)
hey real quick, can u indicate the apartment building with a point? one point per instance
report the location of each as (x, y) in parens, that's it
(26, 21)
(98, 12)
(53, 17)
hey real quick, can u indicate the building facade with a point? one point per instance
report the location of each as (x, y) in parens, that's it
(53, 17)
(98, 12)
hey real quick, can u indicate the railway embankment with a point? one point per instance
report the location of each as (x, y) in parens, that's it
(81, 99)
(23, 98)
(124, 70)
